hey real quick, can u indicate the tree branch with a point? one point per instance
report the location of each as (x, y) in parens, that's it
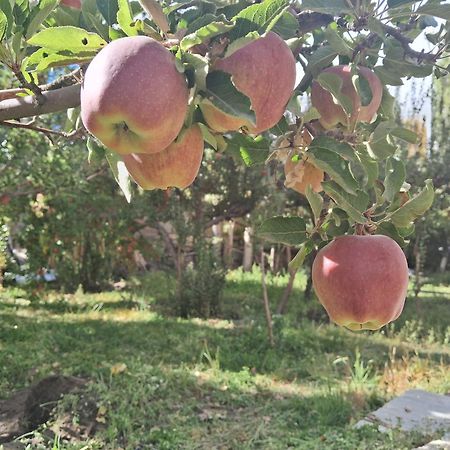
(405, 43)
(46, 131)
(55, 100)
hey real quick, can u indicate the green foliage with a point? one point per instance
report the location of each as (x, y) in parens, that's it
(199, 290)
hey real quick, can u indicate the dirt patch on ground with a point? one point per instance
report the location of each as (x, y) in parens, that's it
(31, 407)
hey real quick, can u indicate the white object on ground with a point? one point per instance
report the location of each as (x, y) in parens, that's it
(415, 410)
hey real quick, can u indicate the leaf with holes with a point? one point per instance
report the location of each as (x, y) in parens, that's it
(72, 39)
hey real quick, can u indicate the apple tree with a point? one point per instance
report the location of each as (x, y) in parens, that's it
(302, 83)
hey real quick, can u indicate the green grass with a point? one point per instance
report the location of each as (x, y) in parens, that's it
(166, 383)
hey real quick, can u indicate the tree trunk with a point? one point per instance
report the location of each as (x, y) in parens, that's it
(217, 231)
(228, 251)
(247, 260)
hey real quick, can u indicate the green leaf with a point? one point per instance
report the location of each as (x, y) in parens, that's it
(441, 10)
(205, 33)
(92, 19)
(120, 173)
(389, 229)
(208, 136)
(259, 17)
(336, 166)
(285, 230)
(341, 148)
(125, 18)
(395, 62)
(221, 92)
(369, 165)
(333, 7)
(395, 177)
(38, 14)
(297, 261)
(72, 39)
(21, 11)
(386, 109)
(363, 88)
(333, 84)
(96, 152)
(397, 3)
(199, 65)
(353, 205)
(414, 208)
(315, 201)
(380, 143)
(5, 8)
(387, 76)
(109, 10)
(3, 24)
(404, 134)
(320, 59)
(286, 26)
(251, 150)
(44, 58)
(336, 41)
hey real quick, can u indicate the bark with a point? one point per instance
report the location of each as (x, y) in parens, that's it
(54, 101)
(228, 251)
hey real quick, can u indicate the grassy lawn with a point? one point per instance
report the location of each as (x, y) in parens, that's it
(158, 382)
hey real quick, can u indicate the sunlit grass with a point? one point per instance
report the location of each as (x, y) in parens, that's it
(167, 383)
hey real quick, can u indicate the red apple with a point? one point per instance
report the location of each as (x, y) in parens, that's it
(361, 281)
(263, 70)
(175, 166)
(331, 114)
(75, 4)
(133, 98)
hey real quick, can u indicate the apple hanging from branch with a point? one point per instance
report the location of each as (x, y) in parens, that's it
(175, 166)
(133, 98)
(331, 113)
(264, 71)
(361, 281)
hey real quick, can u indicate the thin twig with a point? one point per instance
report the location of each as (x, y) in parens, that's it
(266, 301)
(31, 127)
